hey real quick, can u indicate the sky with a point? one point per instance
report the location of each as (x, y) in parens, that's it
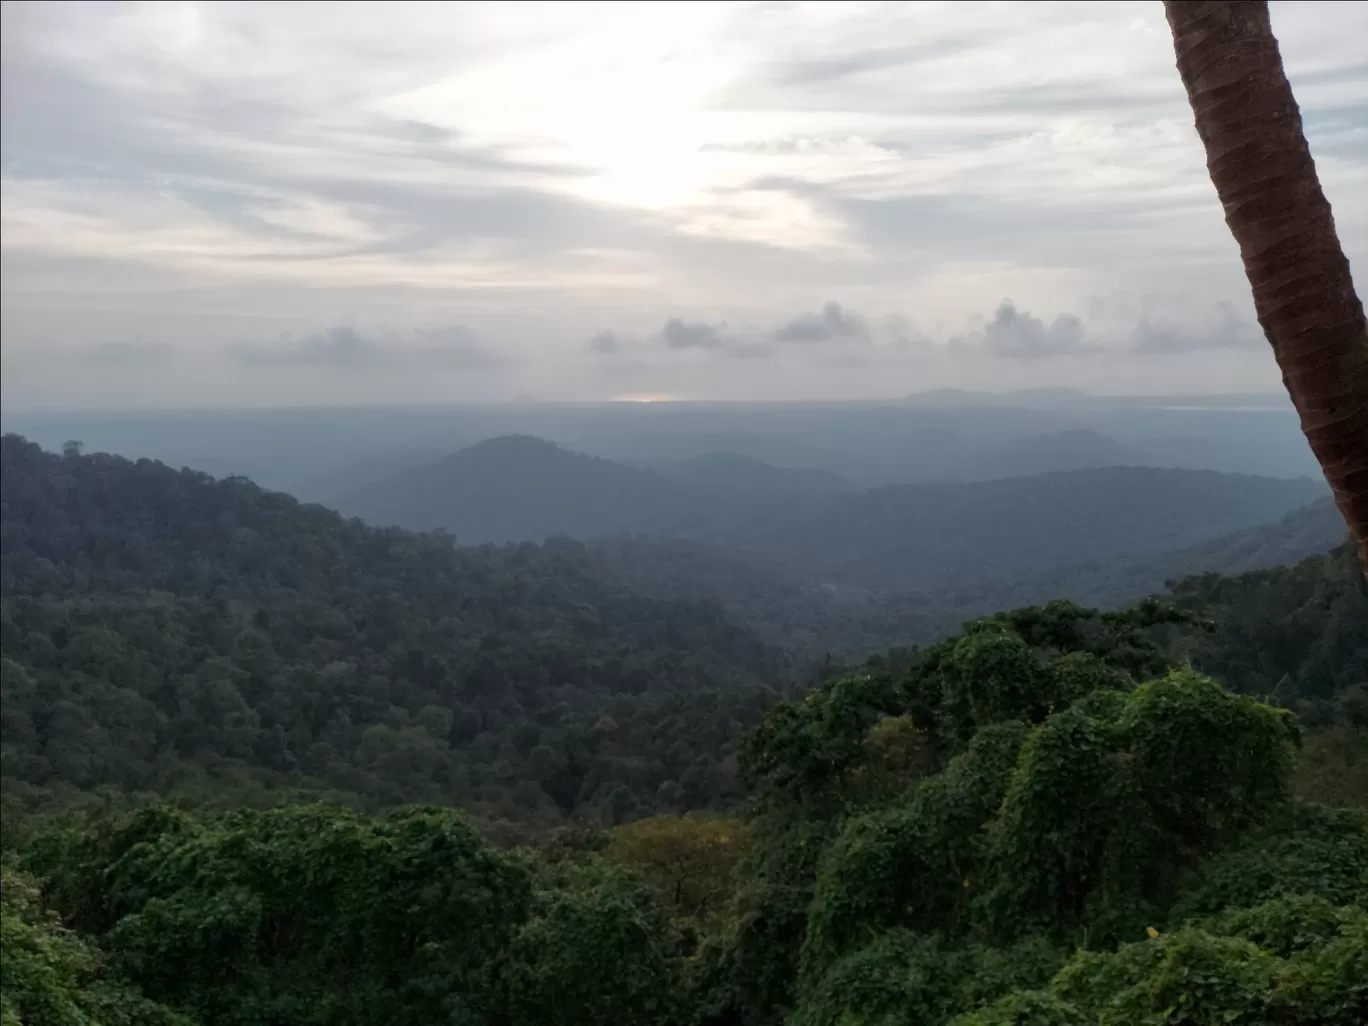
(295, 203)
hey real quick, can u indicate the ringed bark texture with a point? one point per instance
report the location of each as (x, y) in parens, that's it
(1261, 166)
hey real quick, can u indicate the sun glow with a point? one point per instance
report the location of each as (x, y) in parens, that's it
(624, 102)
(644, 397)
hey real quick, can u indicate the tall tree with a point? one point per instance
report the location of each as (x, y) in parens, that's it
(1304, 295)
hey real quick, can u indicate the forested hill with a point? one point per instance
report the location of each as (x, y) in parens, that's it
(1036, 820)
(521, 488)
(1296, 633)
(1313, 530)
(816, 528)
(815, 619)
(168, 632)
(730, 473)
(949, 534)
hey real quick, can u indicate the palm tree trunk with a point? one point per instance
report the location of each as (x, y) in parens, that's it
(1264, 175)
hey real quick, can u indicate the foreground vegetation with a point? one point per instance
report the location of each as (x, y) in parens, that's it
(1034, 824)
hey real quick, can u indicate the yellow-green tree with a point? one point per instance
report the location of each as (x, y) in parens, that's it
(691, 860)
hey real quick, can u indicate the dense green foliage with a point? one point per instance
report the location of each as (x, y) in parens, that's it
(257, 917)
(1298, 633)
(1033, 822)
(1055, 816)
(50, 976)
(316, 915)
(1075, 836)
(812, 621)
(164, 632)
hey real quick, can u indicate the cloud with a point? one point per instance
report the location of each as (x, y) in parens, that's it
(453, 345)
(196, 175)
(833, 324)
(900, 333)
(1146, 329)
(823, 71)
(346, 348)
(682, 334)
(128, 354)
(1226, 330)
(333, 347)
(1016, 334)
(749, 350)
(607, 342)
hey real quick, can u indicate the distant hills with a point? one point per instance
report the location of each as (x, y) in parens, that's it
(1076, 398)
(1075, 449)
(935, 536)
(818, 528)
(739, 475)
(320, 453)
(165, 632)
(1313, 530)
(521, 488)
(812, 619)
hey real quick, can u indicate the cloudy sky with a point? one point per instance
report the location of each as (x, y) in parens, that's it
(275, 203)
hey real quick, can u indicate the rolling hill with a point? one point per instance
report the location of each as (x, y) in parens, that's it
(933, 537)
(521, 488)
(947, 536)
(168, 633)
(815, 620)
(740, 476)
(1313, 530)
(1075, 449)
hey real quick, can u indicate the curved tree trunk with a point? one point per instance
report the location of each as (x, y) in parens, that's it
(1263, 172)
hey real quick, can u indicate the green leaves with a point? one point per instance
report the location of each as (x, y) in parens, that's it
(801, 753)
(1115, 798)
(1308, 850)
(599, 948)
(1188, 977)
(51, 977)
(317, 915)
(256, 913)
(905, 977)
(915, 865)
(1079, 809)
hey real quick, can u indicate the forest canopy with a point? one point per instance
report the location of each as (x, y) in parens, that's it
(265, 764)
